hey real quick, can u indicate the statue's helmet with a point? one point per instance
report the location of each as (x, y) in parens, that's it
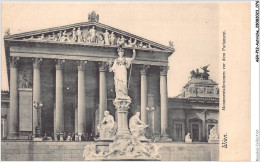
(120, 49)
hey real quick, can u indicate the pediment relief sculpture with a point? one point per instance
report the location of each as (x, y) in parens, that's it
(91, 35)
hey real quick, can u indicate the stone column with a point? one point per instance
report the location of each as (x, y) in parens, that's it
(36, 91)
(187, 124)
(164, 102)
(204, 129)
(143, 73)
(59, 115)
(13, 114)
(102, 89)
(122, 107)
(81, 98)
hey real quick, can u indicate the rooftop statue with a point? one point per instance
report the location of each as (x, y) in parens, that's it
(64, 37)
(59, 35)
(119, 67)
(106, 37)
(92, 33)
(31, 38)
(121, 41)
(171, 44)
(134, 43)
(198, 75)
(140, 45)
(7, 32)
(79, 35)
(131, 44)
(100, 39)
(52, 37)
(205, 74)
(93, 16)
(74, 35)
(41, 37)
(112, 38)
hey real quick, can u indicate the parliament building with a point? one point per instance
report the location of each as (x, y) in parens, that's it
(60, 85)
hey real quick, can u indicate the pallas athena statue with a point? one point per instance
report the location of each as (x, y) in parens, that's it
(119, 67)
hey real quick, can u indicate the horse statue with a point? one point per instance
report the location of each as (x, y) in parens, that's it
(205, 74)
(198, 75)
(193, 74)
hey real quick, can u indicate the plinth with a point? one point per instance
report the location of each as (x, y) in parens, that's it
(213, 141)
(122, 106)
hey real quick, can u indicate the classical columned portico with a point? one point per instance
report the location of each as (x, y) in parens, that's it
(102, 89)
(81, 98)
(72, 95)
(164, 102)
(143, 73)
(59, 115)
(13, 114)
(36, 92)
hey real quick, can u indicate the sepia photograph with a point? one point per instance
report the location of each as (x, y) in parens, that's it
(121, 81)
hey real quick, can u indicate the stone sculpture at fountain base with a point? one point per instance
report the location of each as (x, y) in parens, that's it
(125, 146)
(107, 127)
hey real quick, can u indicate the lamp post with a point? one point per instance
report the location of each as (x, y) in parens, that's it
(38, 105)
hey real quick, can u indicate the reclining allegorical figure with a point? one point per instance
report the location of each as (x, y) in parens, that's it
(106, 128)
(137, 126)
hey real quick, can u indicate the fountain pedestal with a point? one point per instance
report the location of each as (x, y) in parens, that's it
(122, 106)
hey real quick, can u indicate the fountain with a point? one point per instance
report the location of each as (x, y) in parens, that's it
(126, 144)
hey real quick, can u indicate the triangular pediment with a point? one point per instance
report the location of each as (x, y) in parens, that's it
(89, 33)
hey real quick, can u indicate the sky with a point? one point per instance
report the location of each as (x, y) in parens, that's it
(193, 28)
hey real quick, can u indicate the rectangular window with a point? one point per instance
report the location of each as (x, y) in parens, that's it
(178, 130)
(195, 132)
